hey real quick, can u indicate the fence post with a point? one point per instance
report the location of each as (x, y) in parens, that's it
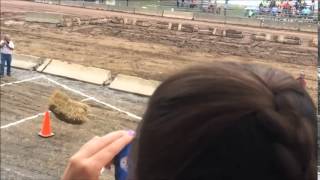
(162, 13)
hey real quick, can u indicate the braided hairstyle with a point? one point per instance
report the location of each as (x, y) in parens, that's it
(227, 121)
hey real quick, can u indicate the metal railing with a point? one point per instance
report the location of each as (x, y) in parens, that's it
(141, 7)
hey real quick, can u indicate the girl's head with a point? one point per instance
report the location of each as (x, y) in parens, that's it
(7, 37)
(227, 121)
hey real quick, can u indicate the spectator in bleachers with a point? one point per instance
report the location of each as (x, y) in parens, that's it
(294, 11)
(272, 4)
(261, 7)
(218, 10)
(312, 5)
(274, 11)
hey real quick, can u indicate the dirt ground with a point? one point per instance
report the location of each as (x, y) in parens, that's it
(25, 155)
(150, 54)
(147, 53)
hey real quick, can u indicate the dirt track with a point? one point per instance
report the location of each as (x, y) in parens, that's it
(24, 155)
(144, 52)
(25, 6)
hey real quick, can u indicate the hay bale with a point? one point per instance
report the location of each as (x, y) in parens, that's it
(234, 36)
(162, 25)
(314, 42)
(187, 28)
(232, 31)
(292, 41)
(293, 38)
(117, 20)
(143, 23)
(218, 32)
(175, 26)
(258, 38)
(205, 32)
(269, 37)
(76, 21)
(68, 110)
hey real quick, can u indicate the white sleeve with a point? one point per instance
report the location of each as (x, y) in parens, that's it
(11, 45)
(1, 42)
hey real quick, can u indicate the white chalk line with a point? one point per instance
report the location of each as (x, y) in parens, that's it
(22, 120)
(117, 109)
(88, 98)
(93, 98)
(32, 117)
(67, 88)
(21, 81)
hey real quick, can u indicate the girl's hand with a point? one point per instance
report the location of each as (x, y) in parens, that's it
(97, 153)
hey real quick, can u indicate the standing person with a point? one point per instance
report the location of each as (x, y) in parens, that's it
(215, 6)
(312, 6)
(250, 14)
(294, 11)
(219, 10)
(7, 47)
(260, 5)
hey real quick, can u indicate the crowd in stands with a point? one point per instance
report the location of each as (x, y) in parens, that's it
(211, 6)
(287, 8)
(187, 3)
(282, 8)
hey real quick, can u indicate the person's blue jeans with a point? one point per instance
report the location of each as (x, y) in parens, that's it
(5, 60)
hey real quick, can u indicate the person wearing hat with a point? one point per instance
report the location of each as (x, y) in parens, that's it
(7, 47)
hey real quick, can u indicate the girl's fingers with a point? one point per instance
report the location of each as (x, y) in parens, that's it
(89, 143)
(97, 143)
(95, 154)
(105, 156)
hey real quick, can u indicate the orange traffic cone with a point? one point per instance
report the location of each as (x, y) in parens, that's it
(46, 127)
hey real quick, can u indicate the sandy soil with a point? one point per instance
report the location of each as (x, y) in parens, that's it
(25, 6)
(24, 155)
(149, 53)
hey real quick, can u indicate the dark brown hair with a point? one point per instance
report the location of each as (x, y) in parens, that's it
(227, 121)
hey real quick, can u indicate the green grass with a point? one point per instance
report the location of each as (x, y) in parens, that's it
(236, 10)
(152, 5)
